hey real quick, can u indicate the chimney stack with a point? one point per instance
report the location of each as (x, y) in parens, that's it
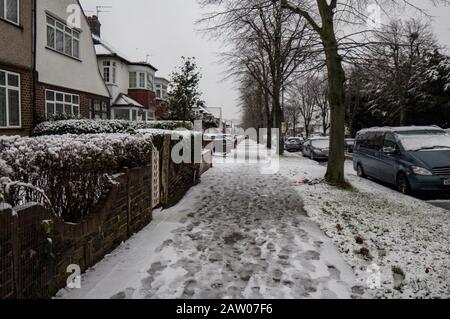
(95, 25)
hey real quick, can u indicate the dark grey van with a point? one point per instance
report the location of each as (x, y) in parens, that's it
(413, 158)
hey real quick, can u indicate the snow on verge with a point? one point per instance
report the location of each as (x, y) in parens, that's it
(400, 241)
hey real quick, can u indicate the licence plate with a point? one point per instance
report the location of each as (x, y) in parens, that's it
(447, 182)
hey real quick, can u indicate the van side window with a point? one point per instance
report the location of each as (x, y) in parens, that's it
(389, 141)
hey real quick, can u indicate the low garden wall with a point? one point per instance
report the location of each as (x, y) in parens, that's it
(36, 248)
(124, 176)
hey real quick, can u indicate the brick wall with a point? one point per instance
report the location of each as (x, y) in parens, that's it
(145, 97)
(26, 95)
(44, 246)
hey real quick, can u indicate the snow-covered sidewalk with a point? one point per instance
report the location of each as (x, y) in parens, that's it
(239, 234)
(400, 241)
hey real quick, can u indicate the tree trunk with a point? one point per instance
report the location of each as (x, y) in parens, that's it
(402, 102)
(278, 118)
(336, 80)
(269, 120)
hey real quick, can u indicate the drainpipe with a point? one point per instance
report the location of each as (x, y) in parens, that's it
(34, 75)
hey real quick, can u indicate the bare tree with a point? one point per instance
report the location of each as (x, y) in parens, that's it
(267, 41)
(302, 98)
(325, 16)
(320, 92)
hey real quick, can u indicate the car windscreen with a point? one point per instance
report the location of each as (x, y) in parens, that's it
(321, 143)
(294, 140)
(425, 142)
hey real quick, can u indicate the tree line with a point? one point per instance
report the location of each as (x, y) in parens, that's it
(318, 58)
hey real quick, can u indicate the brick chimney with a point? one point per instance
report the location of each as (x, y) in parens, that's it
(95, 25)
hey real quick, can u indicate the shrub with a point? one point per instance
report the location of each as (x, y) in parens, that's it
(70, 174)
(103, 126)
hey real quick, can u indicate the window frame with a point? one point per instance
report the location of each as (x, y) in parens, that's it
(5, 17)
(66, 31)
(63, 102)
(135, 78)
(7, 88)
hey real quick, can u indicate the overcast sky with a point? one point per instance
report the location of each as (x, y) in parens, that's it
(165, 30)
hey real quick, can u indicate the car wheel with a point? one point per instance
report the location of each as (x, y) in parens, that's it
(360, 171)
(403, 184)
(312, 156)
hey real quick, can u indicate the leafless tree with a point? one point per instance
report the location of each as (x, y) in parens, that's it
(268, 42)
(302, 98)
(325, 17)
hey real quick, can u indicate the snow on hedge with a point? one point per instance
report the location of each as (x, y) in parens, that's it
(74, 171)
(103, 126)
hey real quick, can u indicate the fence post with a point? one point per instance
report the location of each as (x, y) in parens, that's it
(16, 252)
(165, 169)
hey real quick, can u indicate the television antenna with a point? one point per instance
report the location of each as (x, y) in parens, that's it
(100, 9)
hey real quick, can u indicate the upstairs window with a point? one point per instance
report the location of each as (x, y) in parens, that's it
(109, 72)
(9, 10)
(142, 80)
(133, 81)
(62, 38)
(9, 99)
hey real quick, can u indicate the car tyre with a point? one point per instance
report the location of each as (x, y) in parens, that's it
(360, 171)
(403, 184)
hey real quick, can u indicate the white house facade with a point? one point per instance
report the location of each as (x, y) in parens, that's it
(69, 81)
(130, 84)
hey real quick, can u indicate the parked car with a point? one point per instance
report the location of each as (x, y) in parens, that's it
(294, 144)
(220, 143)
(317, 148)
(349, 145)
(414, 159)
(232, 138)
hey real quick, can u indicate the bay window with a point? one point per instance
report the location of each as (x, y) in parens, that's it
(9, 99)
(9, 10)
(141, 80)
(133, 82)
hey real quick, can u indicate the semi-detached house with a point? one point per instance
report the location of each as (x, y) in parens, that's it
(47, 70)
(131, 84)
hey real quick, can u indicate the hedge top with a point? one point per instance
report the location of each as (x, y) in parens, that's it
(104, 126)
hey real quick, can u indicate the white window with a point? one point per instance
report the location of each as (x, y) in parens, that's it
(133, 81)
(9, 10)
(61, 103)
(109, 72)
(62, 38)
(9, 99)
(106, 73)
(142, 80)
(149, 82)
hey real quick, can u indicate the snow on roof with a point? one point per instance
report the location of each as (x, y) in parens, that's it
(399, 129)
(125, 100)
(104, 48)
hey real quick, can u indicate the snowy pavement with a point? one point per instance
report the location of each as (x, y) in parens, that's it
(238, 234)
